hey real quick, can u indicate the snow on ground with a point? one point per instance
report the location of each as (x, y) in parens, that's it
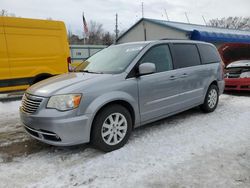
(191, 149)
(10, 127)
(9, 115)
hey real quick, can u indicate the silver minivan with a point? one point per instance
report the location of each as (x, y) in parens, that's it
(123, 87)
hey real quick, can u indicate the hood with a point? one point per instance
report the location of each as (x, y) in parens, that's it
(231, 52)
(239, 64)
(63, 83)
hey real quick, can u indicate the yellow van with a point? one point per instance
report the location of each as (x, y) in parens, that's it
(31, 50)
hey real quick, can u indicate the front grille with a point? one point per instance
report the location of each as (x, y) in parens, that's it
(230, 86)
(245, 87)
(235, 72)
(51, 138)
(30, 103)
(35, 134)
(43, 134)
(233, 75)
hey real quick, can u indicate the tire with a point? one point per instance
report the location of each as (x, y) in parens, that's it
(211, 99)
(107, 135)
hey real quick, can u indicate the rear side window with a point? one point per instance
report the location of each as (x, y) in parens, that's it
(209, 54)
(185, 55)
(160, 56)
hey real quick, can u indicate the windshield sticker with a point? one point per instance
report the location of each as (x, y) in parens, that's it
(134, 49)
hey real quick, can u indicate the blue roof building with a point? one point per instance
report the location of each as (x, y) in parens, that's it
(152, 29)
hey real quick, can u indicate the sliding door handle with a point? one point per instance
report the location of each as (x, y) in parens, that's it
(173, 77)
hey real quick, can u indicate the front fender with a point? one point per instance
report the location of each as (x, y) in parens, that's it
(106, 98)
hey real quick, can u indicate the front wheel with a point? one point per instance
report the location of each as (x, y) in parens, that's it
(211, 99)
(111, 128)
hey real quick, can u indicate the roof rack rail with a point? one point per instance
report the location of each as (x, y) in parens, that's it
(171, 39)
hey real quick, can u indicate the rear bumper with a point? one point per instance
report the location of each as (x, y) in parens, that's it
(237, 84)
(221, 85)
(57, 131)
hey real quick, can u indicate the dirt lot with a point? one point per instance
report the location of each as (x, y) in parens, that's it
(190, 149)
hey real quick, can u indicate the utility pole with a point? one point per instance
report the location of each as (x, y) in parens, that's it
(187, 18)
(116, 27)
(142, 10)
(143, 22)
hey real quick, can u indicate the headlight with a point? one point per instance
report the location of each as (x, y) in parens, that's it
(245, 75)
(64, 102)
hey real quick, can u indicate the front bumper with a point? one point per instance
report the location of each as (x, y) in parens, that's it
(58, 131)
(237, 84)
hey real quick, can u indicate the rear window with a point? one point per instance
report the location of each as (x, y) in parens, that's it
(185, 55)
(209, 54)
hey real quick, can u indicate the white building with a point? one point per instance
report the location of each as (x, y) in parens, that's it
(82, 52)
(152, 29)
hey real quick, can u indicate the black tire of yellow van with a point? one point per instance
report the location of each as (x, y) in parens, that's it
(205, 106)
(97, 140)
(40, 78)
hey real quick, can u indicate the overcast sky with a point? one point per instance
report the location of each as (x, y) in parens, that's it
(129, 11)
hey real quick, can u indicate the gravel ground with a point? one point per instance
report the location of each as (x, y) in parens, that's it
(191, 149)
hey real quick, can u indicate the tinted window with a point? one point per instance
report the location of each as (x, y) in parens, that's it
(160, 56)
(185, 55)
(209, 54)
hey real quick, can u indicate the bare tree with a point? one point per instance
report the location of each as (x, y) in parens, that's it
(96, 36)
(74, 39)
(5, 13)
(107, 38)
(231, 23)
(95, 33)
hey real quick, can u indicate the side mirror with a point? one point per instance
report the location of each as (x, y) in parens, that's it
(147, 68)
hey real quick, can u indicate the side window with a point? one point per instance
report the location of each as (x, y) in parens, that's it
(185, 55)
(209, 54)
(160, 56)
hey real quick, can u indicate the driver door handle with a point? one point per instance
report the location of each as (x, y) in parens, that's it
(184, 75)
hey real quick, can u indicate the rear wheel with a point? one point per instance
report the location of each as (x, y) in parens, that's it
(211, 99)
(111, 128)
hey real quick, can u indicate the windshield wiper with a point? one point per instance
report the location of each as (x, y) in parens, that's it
(91, 72)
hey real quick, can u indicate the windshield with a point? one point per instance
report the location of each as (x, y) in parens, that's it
(114, 59)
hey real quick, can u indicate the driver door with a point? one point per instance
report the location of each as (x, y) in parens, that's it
(158, 92)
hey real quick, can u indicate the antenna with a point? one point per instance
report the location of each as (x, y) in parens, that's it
(204, 20)
(166, 14)
(142, 10)
(237, 22)
(187, 18)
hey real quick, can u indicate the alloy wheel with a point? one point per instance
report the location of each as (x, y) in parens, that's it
(212, 98)
(114, 128)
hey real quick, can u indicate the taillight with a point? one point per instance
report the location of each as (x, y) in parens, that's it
(222, 69)
(69, 62)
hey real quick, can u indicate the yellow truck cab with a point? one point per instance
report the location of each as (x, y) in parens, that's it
(31, 50)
